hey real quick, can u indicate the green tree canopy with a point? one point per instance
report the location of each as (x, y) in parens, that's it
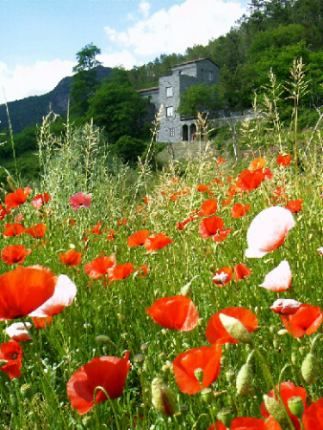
(199, 98)
(118, 107)
(85, 80)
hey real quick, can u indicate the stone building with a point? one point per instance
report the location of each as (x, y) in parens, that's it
(173, 127)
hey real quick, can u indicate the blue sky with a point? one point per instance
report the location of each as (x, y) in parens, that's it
(39, 38)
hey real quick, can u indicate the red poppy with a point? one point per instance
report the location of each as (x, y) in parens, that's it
(220, 160)
(279, 194)
(122, 221)
(14, 254)
(241, 271)
(286, 391)
(226, 202)
(247, 423)
(222, 276)
(182, 224)
(99, 267)
(40, 199)
(120, 271)
(210, 226)
(36, 231)
(250, 180)
(3, 212)
(239, 210)
(108, 372)
(17, 198)
(217, 426)
(97, 228)
(80, 200)
(70, 257)
(272, 424)
(197, 368)
(138, 238)
(143, 271)
(215, 331)
(11, 354)
(40, 322)
(294, 206)
(306, 320)
(157, 241)
(24, 289)
(221, 235)
(285, 306)
(203, 188)
(283, 160)
(111, 235)
(313, 416)
(232, 191)
(208, 207)
(176, 313)
(11, 230)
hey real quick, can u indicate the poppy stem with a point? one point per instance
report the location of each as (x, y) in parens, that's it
(264, 368)
(315, 340)
(282, 372)
(100, 388)
(269, 379)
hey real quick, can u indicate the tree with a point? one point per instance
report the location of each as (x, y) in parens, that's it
(85, 80)
(118, 107)
(129, 148)
(199, 98)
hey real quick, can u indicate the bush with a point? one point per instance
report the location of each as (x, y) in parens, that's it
(128, 148)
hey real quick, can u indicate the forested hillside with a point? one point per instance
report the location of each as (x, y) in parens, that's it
(275, 32)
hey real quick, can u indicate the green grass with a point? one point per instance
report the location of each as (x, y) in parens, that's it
(37, 400)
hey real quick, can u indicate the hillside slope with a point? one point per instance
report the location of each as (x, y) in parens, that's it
(30, 110)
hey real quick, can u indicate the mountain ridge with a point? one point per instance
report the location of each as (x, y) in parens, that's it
(30, 111)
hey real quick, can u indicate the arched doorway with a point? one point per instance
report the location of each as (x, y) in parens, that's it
(185, 133)
(192, 132)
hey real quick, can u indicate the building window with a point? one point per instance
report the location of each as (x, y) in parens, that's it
(169, 111)
(172, 132)
(169, 91)
(211, 76)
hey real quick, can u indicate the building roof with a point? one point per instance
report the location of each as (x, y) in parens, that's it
(194, 61)
(148, 89)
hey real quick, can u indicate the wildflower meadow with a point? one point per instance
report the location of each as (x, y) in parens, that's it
(187, 298)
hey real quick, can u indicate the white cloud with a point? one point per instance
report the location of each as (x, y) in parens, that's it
(33, 79)
(116, 59)
(144, 8)
(176, 28)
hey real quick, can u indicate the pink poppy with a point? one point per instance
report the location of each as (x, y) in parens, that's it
(268, 231)
(80, 200)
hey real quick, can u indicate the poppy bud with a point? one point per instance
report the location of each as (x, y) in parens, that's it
(296, 406)
(229, 375)
(163, 399)
(244, 380)
(235, 328)
(310, 368)
(225, 416)
(198, 373)
(102, 338)
(206, 394)
(275, 408)
(138, 358)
